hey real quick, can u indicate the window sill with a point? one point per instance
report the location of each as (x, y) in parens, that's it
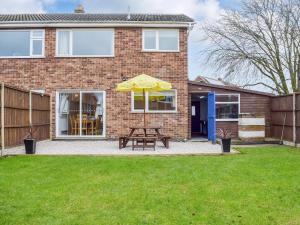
(22, 57)
(160, 51)
(154, 112)
(85, 56)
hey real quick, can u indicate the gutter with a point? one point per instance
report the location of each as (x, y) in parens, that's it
(97, 24)
(237, 89)
(191, 27)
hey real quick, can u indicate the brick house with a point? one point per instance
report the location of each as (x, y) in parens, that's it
(79, 58)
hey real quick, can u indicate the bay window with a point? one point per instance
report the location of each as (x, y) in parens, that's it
(163, 101)
(85, 42)
(22, 43)
(161, 40)
(227, 107)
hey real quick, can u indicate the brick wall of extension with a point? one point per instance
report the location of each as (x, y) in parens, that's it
(52, 73)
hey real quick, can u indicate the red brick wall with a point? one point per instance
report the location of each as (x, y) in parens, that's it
(53, 73)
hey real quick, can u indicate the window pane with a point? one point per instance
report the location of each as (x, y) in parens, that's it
(68, 114)
(149, 40)
(92, 114)
(37, 33)
(14, 43)
(37, 47)
(227, 98)
(63, 42)
(162, 100)
(93, 42)
(138, 101)
(168, 40)
(227, 111)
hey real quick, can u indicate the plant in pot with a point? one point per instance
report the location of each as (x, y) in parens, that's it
(225, 136)
(30, 142)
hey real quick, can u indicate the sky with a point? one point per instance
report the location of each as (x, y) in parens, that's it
(200, 10)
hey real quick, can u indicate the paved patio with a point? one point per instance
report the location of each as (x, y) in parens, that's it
(111, 148)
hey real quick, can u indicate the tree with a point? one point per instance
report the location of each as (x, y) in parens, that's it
(258, 45)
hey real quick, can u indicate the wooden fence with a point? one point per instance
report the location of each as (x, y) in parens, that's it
(285, 117)
(19, 109)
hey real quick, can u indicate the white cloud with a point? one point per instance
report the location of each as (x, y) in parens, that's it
(24, 6)
(193, 8)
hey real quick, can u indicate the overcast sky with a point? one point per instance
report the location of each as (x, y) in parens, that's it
(200, 10)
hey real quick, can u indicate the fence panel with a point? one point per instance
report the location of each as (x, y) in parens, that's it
(282, 117)
(17, 115)
(40, 115)
(298, 118)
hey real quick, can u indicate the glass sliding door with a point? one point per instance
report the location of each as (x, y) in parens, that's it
(80, 113)
(92, 114)
(68, 114)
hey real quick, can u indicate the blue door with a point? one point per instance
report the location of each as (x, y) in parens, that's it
(211, 111)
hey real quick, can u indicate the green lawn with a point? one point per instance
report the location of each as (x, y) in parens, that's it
(259, 186)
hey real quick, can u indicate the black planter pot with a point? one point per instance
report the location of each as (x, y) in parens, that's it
(226, 144)
(30, 145)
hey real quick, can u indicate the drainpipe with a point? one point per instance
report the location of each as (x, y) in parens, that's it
(30, 108)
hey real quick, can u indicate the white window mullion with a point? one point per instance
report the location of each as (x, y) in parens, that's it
(31, 44)
(71, 43)
(43, 44)
(157, 40)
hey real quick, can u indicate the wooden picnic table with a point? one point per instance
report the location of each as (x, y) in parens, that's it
(154, 131)
(147, 132)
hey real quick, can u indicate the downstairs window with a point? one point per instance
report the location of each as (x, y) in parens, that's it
(227, 107)
(163, 101)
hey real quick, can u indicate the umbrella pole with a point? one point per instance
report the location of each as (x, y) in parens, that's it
(144, 107)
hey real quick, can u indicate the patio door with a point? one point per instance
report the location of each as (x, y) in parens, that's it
(80, 114)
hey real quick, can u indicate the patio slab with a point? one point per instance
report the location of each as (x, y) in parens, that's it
(101, 147)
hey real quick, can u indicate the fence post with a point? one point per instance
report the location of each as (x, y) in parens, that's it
(294, 120)
(2, 119)
(50, 119)
(30, 108)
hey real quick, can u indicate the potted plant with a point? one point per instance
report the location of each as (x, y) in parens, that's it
(30, 142)
(225, 136)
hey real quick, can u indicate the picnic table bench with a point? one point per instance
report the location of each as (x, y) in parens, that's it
(145, 139)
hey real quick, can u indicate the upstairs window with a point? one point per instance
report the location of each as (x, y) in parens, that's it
(163, 101)
(227, 107)
(22, 43)
(161, 40)
(85, 42)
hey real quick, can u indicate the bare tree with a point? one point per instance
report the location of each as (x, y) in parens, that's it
(258, 45)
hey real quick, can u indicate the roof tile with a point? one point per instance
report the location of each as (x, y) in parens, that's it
(91, 18)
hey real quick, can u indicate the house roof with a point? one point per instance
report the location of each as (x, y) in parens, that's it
(92, 18)
(231, 88)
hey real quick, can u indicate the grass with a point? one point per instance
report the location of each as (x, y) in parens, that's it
(259, 186)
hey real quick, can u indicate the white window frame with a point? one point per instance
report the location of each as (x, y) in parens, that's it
(30, 45)
(157, 41)
(226, 103)
(80, 113)
(70, 55)
(147, 104)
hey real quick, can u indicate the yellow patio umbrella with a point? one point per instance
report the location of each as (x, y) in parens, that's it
(143, 83)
